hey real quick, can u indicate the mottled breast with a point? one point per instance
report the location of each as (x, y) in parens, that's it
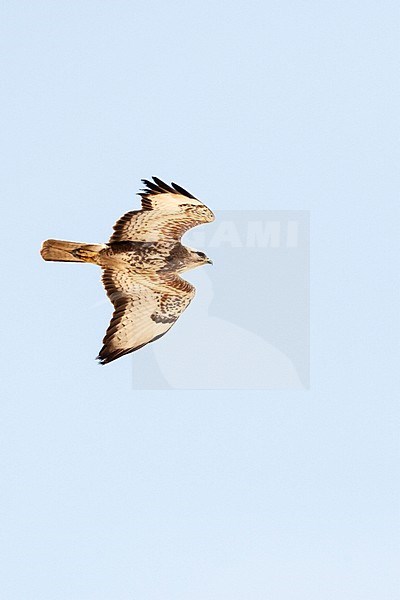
(141, 257)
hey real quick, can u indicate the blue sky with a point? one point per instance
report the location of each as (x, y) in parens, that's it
(115, 493)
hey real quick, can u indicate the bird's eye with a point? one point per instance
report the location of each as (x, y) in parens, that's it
(201, 254)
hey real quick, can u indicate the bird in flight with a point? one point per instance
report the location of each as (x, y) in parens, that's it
(141, 266)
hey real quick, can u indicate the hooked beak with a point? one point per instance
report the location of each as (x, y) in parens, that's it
(209, 261)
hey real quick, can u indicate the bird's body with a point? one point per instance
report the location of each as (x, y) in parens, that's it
(141, 266)
(141, 257)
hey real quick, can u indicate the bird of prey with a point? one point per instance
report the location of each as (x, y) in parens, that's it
(141, 264)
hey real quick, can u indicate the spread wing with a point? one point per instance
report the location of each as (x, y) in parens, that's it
(144, 310)
(167, 212)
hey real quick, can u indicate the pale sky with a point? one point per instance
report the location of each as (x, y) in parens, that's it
(115, 493)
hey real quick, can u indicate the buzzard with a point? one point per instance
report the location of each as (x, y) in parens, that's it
(141, 265)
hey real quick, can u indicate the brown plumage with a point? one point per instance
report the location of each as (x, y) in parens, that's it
(141, 265)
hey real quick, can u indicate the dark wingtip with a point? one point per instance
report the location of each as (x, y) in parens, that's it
(101, 359)
(163, 186)
(160, 187)
(105, 359)
(182, 191)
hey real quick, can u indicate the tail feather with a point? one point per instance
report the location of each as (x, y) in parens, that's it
(63, 251)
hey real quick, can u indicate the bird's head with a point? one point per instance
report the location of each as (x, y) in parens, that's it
(195, 259)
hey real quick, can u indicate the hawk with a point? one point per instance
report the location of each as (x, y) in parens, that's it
(141, 266)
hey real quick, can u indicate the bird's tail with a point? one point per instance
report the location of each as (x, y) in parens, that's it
(62, 251)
